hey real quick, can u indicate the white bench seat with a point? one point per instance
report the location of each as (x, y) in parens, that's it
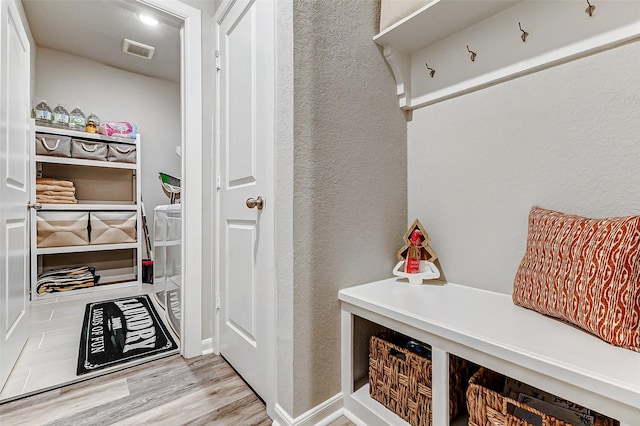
(487, 328)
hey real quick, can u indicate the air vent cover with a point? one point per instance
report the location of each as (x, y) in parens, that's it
(137, 49)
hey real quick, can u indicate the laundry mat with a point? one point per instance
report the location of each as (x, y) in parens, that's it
(121, 330)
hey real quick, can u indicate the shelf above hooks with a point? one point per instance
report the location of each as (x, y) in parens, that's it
(437, 32)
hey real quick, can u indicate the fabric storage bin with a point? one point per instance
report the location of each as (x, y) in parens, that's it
(113, 227)
(174, 222)
(488, 406)
(88, 150)
(160, 223)
(400, 378)
(53, 145)
(62, 229)
(122, 152)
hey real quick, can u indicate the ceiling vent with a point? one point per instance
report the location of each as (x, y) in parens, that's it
(137, 49)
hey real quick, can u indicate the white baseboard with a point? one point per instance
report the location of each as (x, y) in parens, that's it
(207, 346)
(320, 415)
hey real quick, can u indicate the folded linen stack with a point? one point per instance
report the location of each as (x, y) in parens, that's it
(65, 279)
(55, 191)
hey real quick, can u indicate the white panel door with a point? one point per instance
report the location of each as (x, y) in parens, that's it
(246, 111)
(14, 185)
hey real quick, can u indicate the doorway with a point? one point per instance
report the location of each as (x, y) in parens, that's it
(191, 147)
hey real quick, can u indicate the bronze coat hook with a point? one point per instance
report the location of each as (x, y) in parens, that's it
(589, 10)
(473, 54)
(432, 72)
(524, 34)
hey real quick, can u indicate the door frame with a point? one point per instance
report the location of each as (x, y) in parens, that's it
(192, 177)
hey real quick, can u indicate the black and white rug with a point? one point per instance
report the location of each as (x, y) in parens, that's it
(121, 330)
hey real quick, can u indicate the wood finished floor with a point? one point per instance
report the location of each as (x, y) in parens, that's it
(170, 391)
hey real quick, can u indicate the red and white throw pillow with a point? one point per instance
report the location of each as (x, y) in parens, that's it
(585, 271)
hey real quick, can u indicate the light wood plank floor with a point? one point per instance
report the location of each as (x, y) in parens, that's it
(342, 421)
(170, 391)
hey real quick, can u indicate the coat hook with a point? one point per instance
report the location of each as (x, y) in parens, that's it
(432, 72)
(473, 54)
(524, 34)
(589, 10)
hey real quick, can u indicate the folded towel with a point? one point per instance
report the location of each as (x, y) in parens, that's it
(53, 199)
(52, 181)
(58, 193)
(43, 187)
(65, 279)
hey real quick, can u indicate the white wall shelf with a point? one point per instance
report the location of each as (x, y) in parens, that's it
(91, 206)
(104, 286)
(437, 20)
(438, 34)
(87, 248)
(82, 135)
(362, 396)
(80, 162)
(488, 329)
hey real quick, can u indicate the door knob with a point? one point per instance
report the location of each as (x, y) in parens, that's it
(35, 206)
(256, 202)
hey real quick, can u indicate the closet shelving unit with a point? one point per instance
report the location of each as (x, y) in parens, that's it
(101, 186)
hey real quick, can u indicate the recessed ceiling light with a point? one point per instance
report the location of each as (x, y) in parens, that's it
(148, 20)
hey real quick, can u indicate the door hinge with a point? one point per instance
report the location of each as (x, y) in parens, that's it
(218, 305)
(218, 64)
(218, 180)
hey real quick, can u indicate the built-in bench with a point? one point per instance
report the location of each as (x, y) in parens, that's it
(488, 329)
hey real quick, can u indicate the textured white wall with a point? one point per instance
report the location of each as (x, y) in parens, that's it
(116, 95)
(567, 138)
(349, 188)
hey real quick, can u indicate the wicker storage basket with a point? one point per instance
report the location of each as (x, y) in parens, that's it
(401, 380)
(488, 407)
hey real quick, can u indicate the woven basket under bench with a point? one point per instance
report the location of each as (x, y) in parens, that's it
(488, 407)
(401, 380)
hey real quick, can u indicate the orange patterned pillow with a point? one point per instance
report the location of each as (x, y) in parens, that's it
(585, 271)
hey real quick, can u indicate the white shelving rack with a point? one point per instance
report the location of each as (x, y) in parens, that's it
(100, 180)
(167, 248)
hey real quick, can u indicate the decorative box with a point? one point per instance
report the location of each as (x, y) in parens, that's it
(113, 227)
(62, 229)
(122, 153)
(88, 150)
(53, 145)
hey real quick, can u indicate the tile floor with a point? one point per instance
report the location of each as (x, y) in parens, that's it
(49, 358)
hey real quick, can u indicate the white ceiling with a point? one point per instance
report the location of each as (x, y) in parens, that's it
(94, 29)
